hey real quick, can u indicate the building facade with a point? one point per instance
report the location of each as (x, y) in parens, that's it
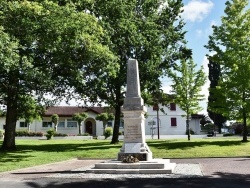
(172, 121)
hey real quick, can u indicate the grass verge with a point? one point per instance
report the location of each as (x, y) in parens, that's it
(37, 152)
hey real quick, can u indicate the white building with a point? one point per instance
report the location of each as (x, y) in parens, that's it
(171, 122)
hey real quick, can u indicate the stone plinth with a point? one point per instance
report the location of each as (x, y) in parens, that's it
(134, 136)
(154, 166)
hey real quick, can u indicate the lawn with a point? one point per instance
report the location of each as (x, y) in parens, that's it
(37, 152)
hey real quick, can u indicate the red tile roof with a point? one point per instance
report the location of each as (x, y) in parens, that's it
(68, 111)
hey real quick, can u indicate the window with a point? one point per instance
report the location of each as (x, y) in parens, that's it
(71, 123)
(172, 106)
(121, 123)
(47, 124)
(23, 124)
(173, 122)
(61, 124)
(109, 124)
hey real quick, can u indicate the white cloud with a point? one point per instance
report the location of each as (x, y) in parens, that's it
(197, 10)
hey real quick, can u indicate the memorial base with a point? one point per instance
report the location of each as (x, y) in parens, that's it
(140, 151)
(154, 166)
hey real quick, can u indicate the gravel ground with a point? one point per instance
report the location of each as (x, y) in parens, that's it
(181, 171)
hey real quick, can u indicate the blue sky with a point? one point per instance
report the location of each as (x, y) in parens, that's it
(199, 16)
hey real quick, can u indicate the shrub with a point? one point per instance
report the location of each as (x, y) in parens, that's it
(60, 134)
(27, 133)
(108, 132)
(227, 134)
(1, 133)
(50, 134)
(22, 133)
(191, 132)
(39, 134)
(121, 133)
(85, 134)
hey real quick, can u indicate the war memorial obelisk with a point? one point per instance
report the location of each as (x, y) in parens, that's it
(133, 116)
(134, 145)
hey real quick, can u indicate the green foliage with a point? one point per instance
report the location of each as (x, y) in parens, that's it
(190, 132)
(50, 48)
(227, 134)
(85, 134)
(79, 117)
(108, 132)
(230, 44)
(60, 134)
(55, 119)
(50, 134)
(28, 133)
(186, 87)
(149, 31)
(105, 117)
(214, 76)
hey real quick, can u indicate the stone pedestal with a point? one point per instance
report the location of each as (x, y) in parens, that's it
(134, 136)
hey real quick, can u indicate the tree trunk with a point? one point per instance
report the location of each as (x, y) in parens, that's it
(244, 127)
(116, 125)
(187, 127)
(10, 126)
(104, 126)
(80, 129)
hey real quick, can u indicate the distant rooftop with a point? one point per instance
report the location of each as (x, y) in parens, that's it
(68, 111)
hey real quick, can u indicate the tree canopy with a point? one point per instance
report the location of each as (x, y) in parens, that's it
(230, 43)
(45, 49)
(79, 117)
(186, 87)
(149, 31)
(214, 76)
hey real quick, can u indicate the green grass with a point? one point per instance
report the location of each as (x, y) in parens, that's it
(37, 152)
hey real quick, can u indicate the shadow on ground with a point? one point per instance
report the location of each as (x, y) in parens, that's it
(224, 180)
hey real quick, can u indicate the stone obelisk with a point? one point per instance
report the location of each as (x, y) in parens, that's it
(134, 121)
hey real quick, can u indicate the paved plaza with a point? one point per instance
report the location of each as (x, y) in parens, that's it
(201, 172)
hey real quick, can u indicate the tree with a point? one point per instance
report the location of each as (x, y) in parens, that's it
(149, 31)
(79, 117)
(214, 76)
(55, 119)
(105, 117)
(46, 52)
(186, 87)
(29, 109)
(230, 43)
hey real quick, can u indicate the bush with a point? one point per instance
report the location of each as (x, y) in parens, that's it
(191, 132)
(108, 132)
(50, 134)
(227, 134)
(60, 134)
(85, 134)
(27, 133)
(22, 133)
(121, 133)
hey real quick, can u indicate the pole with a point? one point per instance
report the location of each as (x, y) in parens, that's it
(158, 127)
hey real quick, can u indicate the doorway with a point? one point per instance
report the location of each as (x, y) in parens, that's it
(89, 127)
